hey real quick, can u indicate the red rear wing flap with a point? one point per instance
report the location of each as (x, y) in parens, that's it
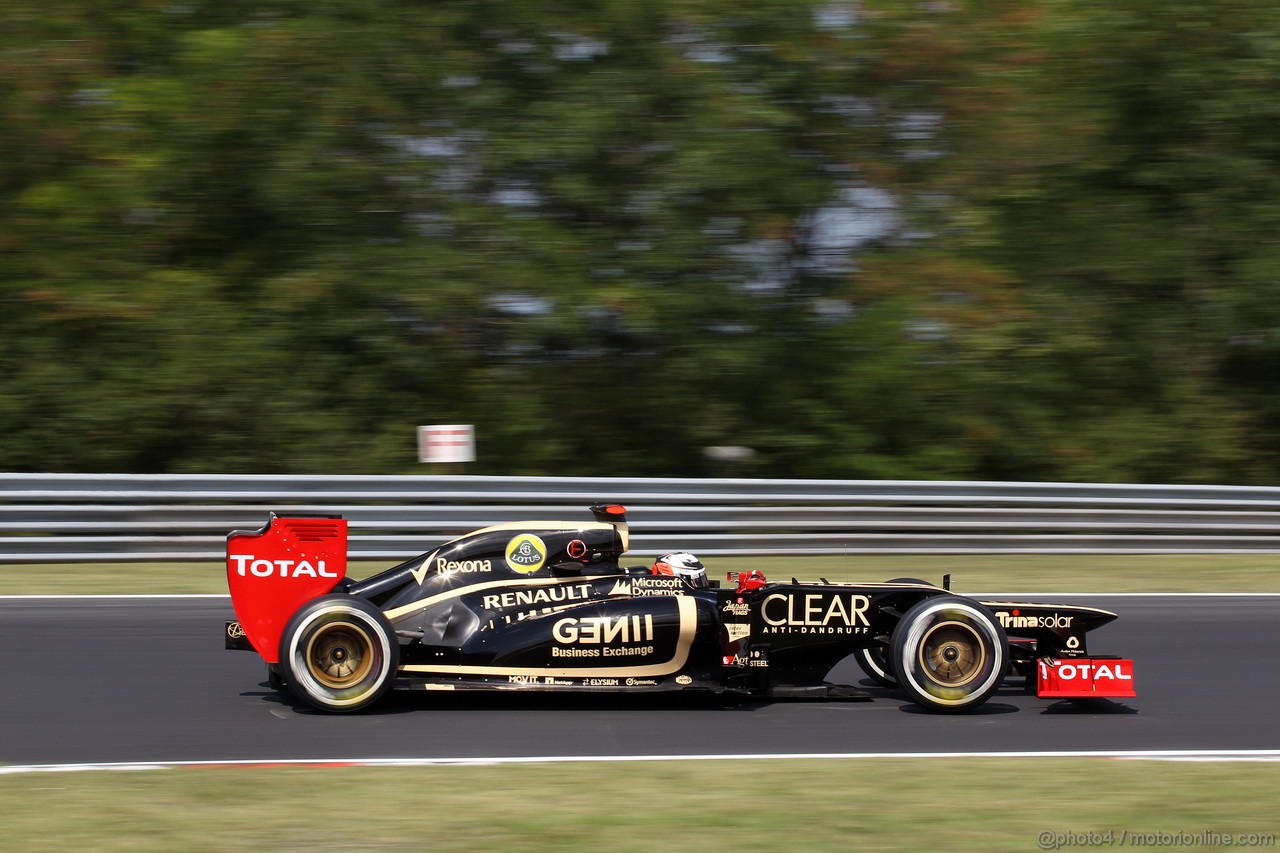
(273, 571)
(1079, 678)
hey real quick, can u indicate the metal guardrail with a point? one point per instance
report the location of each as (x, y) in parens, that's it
(114, 517)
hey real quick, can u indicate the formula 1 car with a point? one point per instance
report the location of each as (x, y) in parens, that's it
(547, 606)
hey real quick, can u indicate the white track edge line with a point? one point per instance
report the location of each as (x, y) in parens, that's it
(1208, 755)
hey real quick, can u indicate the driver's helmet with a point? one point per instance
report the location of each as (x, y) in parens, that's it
(683, 565)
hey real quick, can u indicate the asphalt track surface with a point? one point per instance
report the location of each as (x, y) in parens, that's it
(95, 680)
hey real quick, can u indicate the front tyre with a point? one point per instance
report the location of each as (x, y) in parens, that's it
(949, 653)
(338, 653)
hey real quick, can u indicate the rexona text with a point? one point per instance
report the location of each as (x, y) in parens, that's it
(246, 564)
(444, 566)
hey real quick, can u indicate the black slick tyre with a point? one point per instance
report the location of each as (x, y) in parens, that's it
(339, 653)
(949, 654)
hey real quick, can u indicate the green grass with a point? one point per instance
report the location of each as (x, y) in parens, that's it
(109, 578)
(953, 804)
(1003, 573)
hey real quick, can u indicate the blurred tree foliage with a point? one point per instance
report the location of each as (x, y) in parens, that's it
(1014, 240)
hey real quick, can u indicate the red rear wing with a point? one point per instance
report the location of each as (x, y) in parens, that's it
(273, 571)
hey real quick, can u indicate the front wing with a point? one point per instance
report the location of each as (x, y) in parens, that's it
(1085, 678)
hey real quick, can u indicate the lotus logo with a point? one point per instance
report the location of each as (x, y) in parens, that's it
(235, 630)
(526, 553)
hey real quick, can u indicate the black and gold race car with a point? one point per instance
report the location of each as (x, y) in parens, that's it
(547, 606)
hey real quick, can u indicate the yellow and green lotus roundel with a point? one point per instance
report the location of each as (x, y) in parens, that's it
(526, 553)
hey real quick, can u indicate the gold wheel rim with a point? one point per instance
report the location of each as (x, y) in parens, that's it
(952, 654)
(340, 655)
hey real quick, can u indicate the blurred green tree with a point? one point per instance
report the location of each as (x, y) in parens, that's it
(865, 239)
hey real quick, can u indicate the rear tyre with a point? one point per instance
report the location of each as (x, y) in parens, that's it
(949, 654)
(338, 653)
(874, 660)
